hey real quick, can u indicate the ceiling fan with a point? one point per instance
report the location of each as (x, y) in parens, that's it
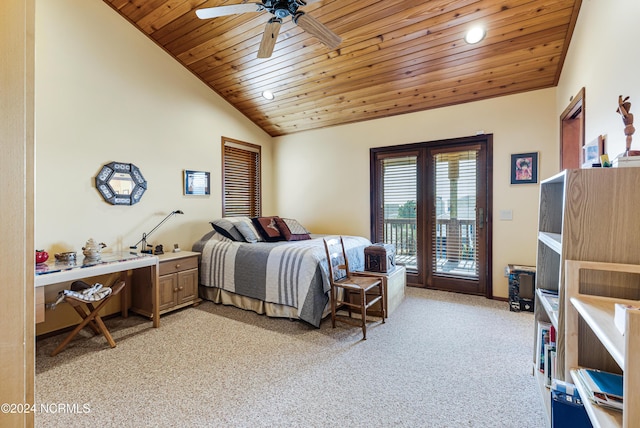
(280, 9)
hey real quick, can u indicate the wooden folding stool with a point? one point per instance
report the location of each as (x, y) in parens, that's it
(90, 317)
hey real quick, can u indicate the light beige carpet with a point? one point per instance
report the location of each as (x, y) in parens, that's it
(441, 360)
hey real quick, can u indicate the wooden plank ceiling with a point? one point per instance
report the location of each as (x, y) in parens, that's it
(396, 56)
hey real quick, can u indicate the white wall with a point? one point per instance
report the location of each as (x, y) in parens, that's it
(105, 92)
(322, 177)
(603, 58)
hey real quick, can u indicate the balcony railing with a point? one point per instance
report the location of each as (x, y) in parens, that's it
(402, 232)
(457, 253)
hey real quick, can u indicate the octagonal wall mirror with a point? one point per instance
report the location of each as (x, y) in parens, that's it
(121, 183)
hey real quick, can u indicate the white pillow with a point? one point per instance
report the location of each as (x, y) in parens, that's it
(244, 225)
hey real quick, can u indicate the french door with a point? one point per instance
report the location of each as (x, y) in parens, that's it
(432, 201)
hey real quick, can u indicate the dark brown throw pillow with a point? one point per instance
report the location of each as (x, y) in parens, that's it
(268, 228)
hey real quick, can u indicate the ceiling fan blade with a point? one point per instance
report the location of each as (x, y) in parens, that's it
(232, 9)
(269, 38)
(317, 29)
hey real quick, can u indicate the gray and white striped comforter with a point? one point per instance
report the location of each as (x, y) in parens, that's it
(287, 273)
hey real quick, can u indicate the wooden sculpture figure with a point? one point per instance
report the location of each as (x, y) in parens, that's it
(624, 108)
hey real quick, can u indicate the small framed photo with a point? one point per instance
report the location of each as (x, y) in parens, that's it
(592, 151)
(196, 182)
(524, 168)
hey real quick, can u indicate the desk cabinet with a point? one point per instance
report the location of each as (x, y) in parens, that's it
(177, 285)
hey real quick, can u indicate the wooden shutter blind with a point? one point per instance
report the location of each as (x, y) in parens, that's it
(241, 179)
(454, 237)
(400, 178)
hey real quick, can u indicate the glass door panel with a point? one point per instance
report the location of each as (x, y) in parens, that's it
(453, 217)
(399, 207)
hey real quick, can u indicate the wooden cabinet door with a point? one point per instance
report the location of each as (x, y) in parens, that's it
(167, 288)
(187, 286)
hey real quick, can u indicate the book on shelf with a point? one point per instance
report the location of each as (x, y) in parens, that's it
(603, 388)
(542, 340)
(550, 363)
(621, 315)
(546, 352)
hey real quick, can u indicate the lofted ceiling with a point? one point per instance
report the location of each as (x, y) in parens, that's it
(396, 56)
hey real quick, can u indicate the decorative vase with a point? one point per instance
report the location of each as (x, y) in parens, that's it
(92, 250)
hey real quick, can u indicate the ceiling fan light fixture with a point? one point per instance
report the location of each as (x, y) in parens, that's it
(268, 95)
(474, 35)
(280, 9)
(281, 13)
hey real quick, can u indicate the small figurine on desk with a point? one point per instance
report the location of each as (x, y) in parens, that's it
(92, 250)
(624, 108)
(159, 250)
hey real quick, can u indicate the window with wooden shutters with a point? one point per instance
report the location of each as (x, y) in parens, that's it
(240, 179)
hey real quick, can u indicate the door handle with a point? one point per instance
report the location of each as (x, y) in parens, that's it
(480, 218)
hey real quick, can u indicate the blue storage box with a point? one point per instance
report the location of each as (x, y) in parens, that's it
(567, 410)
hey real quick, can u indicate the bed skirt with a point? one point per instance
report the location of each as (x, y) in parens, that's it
(220, 296)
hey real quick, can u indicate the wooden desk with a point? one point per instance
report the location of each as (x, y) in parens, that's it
(54, 273)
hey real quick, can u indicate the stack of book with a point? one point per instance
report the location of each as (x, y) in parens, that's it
(546, 349)
(603, 388)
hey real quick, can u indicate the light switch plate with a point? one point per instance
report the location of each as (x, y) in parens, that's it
(506, 214)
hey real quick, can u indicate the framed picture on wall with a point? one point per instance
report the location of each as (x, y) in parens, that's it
(524, 168)
(591, 152)
(196, 182)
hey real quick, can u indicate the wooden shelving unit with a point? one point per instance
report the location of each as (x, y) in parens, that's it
(550, 308)
(585, 214)
(598, 313)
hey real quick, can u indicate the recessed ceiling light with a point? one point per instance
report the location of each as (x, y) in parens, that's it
(474, 35)
(268, 95)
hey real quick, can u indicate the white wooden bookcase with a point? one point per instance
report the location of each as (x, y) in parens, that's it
(598, 313)
(585, 214)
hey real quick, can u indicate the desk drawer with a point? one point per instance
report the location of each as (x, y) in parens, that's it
(178, 265)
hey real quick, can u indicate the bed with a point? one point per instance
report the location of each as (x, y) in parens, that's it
(280, 279)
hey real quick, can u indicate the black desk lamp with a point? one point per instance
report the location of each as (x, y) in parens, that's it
(145, 235)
